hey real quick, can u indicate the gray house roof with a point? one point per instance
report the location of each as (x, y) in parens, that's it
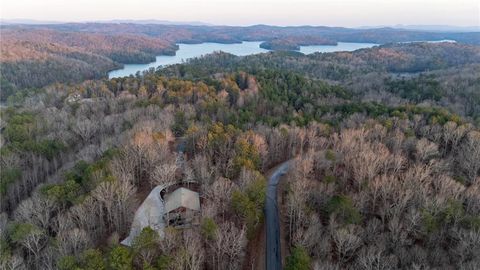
(182, 197)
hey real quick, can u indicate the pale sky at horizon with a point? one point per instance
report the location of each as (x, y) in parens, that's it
(347, 13)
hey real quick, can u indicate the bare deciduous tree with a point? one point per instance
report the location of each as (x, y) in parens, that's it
(37, 210)
(426, 150)
(202, 170)
(468, 244)
(346, 242)
(469, 155)
(14, 262)
(34, 241)
(115, 201)
(194, 255)
(164, 174)
(73, 241)
(372, 257)
(228, 247)
(296, 204)
(85, 128)
(220, 194)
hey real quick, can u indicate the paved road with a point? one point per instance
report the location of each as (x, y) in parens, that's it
(273, 260)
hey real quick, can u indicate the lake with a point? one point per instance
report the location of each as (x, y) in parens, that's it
(187, 51)
(340, 47)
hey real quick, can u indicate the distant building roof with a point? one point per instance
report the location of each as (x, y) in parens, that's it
(182, 197)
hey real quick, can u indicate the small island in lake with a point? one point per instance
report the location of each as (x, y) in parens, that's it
(293, 43)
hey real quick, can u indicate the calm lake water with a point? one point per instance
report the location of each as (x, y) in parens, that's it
(187, 51)
(341, 46)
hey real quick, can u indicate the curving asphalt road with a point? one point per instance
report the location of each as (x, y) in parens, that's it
(273, 260)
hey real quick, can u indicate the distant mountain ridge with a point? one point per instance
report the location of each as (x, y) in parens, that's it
(430, 28)
(417, 27)
(27, 21)
(147, 21)
(35, 55)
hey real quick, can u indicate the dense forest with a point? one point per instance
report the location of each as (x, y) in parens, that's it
(233, 34)
(445, 75)
(384, 145)
(39, 55)
(36, 58)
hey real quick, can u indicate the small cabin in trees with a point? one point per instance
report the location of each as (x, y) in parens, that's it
(182, 208)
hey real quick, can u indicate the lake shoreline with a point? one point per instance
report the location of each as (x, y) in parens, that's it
(187, 51)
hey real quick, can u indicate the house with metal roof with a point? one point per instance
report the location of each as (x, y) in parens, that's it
(182, 208)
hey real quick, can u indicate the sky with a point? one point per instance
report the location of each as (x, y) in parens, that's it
(348, 13)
